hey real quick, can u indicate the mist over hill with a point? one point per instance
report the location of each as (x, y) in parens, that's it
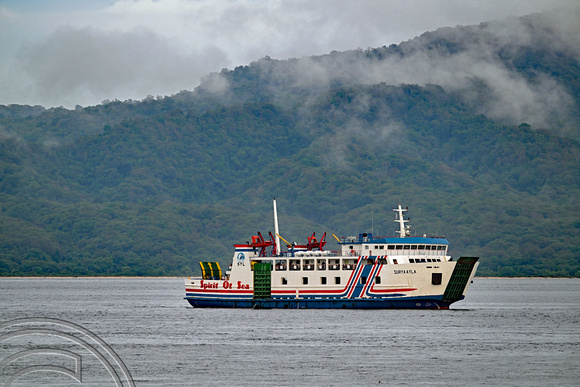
(475, 128)
(514, 70)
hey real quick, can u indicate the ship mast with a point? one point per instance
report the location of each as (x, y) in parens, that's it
(404, 231)
(276, 230)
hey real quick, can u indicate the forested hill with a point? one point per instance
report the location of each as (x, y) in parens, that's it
(475, 128)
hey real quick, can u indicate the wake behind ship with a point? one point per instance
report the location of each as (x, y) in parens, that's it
(367, 273)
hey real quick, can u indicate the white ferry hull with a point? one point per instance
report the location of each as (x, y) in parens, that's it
(404, 286)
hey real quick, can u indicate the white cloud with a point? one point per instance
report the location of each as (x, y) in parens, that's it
(81, 65)
(133, 48)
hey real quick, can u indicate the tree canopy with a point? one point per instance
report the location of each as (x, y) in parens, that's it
(152, 187)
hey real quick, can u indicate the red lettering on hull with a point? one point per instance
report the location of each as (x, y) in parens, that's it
(208, 285)
(225, 285)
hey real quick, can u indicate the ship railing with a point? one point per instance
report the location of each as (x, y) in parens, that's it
(374, 238)
(332, 254)
(306, 254)
(426, 252)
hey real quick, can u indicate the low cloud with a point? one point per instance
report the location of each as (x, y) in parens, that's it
(80, 66)
(465, 61)
(58, 55)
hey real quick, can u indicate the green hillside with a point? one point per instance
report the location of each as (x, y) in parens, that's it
(152, 187)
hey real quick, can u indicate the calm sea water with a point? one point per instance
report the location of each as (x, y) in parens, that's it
(508, 332)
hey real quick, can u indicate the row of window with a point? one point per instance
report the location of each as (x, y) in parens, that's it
(320, 264)
(333, 264)
(406, 247)
(323, 280)
(423, 260)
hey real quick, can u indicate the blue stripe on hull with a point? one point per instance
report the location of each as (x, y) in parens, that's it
(366, 303)
(358, 288)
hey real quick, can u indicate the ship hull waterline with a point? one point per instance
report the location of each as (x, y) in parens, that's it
(365, 303)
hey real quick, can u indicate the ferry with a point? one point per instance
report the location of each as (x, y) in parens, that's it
(368, 272)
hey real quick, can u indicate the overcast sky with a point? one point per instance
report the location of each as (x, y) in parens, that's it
(69, 52)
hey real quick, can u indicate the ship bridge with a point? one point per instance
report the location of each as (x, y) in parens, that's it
(366, 244)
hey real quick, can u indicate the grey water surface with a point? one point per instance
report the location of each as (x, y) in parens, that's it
(507, 332)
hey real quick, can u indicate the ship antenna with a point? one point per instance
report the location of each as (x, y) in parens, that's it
(276, 229)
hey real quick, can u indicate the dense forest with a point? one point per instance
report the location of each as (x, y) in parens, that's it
(152, 187)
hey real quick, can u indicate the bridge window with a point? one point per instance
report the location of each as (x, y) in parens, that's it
(348, 264)
(411, 260)
(294, 264)
(390, 247)
(407, 247)
(281, 264)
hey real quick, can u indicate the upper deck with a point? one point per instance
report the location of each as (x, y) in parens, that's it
(370, 239)
(367, 244)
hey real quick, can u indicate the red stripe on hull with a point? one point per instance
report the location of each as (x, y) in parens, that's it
(226, 291)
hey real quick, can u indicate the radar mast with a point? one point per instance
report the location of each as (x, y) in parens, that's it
(404, 230)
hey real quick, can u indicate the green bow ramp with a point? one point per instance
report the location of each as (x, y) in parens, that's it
(459, 277)
(262, 280)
